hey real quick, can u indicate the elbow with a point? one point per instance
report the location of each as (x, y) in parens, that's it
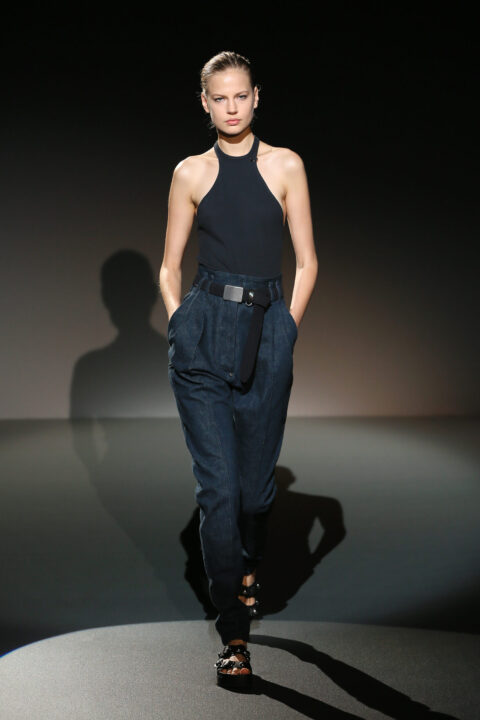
(167, 275)
(308, 261)
(169, 269)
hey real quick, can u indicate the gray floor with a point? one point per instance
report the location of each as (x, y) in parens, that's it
(316, 670)
(376, 524)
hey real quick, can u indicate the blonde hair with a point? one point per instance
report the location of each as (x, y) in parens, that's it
(223, 61)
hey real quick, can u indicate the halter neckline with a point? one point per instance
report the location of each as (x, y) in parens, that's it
(247, 156)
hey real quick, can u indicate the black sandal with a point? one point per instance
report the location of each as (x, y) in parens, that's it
(251, 591)
(234, 681)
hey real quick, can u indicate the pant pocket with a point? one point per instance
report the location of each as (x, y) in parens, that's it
(185, 330)
(290, 325)
(177, 314)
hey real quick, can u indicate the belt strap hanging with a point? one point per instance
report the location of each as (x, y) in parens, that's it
(260, 303)
(260, 299)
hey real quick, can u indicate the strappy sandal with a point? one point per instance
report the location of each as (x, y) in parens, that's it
(251, 591)
(234, 681)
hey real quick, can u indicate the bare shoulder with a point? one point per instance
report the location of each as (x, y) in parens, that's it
(188, 170)
(284, 158)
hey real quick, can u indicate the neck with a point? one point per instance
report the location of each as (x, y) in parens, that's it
(238, 144)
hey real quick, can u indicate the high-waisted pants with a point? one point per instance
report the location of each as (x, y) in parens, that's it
(234, 435)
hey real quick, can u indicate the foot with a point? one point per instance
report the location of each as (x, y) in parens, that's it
(248, 580)
(238, 656)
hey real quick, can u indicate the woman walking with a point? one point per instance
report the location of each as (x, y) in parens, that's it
(231, 337)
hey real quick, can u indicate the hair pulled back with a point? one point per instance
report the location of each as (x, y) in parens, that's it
(223, 61)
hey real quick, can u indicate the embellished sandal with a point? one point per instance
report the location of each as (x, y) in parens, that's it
(251, 591)
(234, 681)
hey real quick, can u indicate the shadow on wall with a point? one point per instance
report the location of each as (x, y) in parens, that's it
(128, 377)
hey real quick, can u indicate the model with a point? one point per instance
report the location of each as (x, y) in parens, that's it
(231, 338)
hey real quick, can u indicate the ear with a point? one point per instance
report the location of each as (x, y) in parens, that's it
(204, 103)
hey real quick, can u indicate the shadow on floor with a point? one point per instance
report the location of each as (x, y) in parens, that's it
(363, 687)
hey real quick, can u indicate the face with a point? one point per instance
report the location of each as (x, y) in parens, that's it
(230, 97)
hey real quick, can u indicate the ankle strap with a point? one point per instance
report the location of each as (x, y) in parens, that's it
(234, 649)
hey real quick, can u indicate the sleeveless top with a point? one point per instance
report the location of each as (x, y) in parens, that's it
(240, 221)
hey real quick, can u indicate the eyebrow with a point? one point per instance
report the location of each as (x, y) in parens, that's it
(238, 93)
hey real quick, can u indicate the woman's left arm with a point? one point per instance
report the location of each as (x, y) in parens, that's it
(299, 218)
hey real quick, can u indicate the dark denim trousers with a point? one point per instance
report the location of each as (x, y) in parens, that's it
(234, 435)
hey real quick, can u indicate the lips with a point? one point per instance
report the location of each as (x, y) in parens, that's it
(233, 122)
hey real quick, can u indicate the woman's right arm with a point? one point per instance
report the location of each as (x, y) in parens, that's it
(181, 211)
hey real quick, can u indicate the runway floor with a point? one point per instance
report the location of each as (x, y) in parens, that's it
(302, 669)
(372, 560)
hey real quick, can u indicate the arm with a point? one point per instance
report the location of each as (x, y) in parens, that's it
(181, 211)
(300, 225)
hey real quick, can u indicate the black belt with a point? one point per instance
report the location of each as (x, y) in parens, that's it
(260, 298)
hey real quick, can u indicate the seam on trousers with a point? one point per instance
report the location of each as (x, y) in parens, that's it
(211, 415)
(192, 360)
(270, 394)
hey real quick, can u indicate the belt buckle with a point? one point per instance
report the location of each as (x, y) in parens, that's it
(233, 292)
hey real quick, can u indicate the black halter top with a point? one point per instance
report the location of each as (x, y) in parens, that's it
(240, 221)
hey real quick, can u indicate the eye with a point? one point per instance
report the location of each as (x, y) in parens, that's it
(242, 97)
